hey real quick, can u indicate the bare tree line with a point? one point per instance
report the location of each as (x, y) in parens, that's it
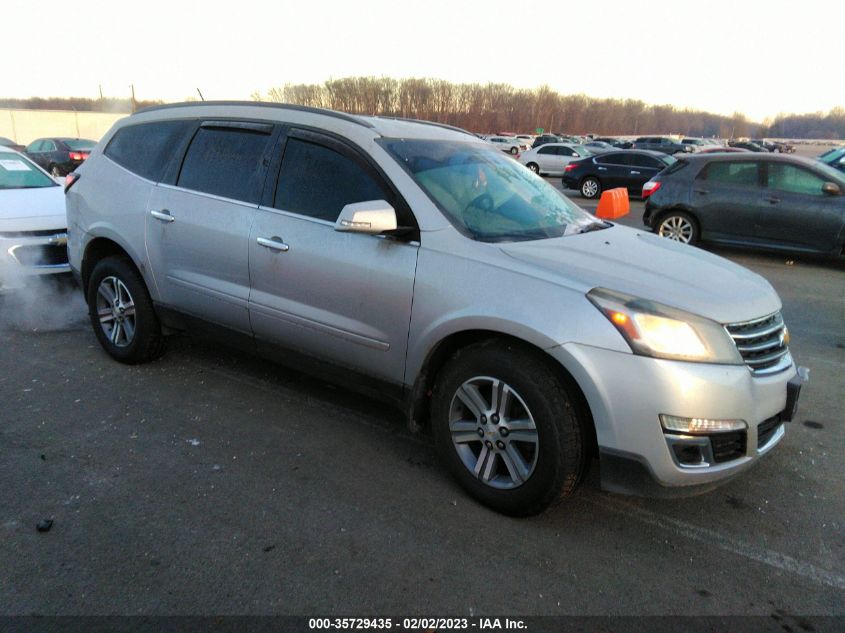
(496, 107)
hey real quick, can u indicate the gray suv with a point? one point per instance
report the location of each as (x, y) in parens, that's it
(421, 264)
(661, 144)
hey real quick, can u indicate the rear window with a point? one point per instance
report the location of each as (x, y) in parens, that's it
(146, 149)
(79, 144)
(227, 162)
(677, 166)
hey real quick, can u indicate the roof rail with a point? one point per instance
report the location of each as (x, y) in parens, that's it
(434, 123)
(263, 104)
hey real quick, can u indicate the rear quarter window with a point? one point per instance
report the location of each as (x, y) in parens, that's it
(147, 148)
(744, 173)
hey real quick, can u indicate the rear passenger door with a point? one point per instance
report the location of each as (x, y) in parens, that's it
(726, 196)
(198, 227)
(342, 297)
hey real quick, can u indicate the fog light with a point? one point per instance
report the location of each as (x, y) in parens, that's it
(699, 425)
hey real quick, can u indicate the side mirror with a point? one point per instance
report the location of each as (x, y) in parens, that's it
(831, 189)
(371, 217)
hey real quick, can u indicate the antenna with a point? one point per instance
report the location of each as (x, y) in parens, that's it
(200, 94)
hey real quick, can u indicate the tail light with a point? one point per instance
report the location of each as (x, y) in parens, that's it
(70, 180)
(571, 167)
(78, 155)
(650, 187)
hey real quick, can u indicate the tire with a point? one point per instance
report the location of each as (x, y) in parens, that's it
(55, 171)
(552, 456)
(590, 187)
(534, 167)
(678, 226)
(121, 312)
(514, 150)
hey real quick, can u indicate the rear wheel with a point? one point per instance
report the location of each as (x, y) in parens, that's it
(507, 428)
(534, 167)
(678, 226)
(514, 150)
(121, 312)
(55, 171)
(590, 187)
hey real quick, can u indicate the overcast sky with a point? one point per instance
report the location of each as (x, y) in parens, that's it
(755, 56)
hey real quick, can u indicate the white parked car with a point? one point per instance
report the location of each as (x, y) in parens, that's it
(508, 144)
(33, 223)
(551, 159)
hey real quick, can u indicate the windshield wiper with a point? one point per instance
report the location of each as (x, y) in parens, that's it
(595, 226)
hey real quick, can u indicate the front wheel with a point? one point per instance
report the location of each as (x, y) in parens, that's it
(507, 428)
(590, 187)
(678, 226)
(121, 312)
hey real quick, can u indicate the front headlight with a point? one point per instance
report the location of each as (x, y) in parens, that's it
(653, 329)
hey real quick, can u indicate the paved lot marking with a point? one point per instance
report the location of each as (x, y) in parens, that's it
(724, 542)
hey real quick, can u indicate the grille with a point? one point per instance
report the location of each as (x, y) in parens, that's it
(762, 344)
(727, 446)
(41, 255)
(766, 429)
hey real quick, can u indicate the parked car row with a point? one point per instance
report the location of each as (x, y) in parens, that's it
(59, 155)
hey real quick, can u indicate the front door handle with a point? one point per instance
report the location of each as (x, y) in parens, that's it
(274, 243)
(163, 215)
(602, 168)
(701, 191)
(773, 200)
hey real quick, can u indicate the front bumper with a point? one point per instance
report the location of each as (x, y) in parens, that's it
(627, 393)
(31, 254)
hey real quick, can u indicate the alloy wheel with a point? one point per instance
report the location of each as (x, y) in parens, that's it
(493, 432)
(116, 311)
(676, 228)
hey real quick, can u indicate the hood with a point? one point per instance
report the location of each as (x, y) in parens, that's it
(652, 267)
(32, 209)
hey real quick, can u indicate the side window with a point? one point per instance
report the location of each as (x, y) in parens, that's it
(48, 146)
(146, 149)
(318, 182)
(641, 160)
(792, 179)
(565, 151)
(613, 159)
(545, 149)
(743, 174)
(35, 146)
(226, 162)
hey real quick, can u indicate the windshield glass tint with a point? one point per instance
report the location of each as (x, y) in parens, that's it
(487, 195)
(79, 144)
(16, 172)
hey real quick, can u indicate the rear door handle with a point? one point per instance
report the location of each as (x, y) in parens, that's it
(274, 243)
(602, 168)
(701, 191)
(773, 200)
(635, 173)
(163, 215)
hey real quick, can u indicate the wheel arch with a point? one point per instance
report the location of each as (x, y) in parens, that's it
(96, 250)
(420, 397)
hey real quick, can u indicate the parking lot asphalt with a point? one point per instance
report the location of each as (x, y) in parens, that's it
(210, 482)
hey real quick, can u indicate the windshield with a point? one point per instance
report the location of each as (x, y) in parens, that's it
(485, 194)
(79, 144)
(17, 172)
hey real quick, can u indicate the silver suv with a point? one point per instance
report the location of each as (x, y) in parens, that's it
(419, 262)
